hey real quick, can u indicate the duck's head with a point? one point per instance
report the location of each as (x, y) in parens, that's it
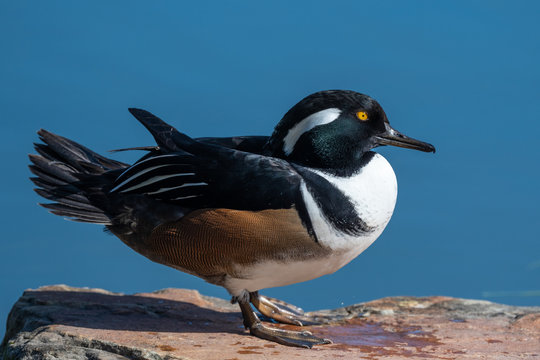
(333, 129)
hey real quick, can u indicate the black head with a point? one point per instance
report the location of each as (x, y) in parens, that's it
(333, 130)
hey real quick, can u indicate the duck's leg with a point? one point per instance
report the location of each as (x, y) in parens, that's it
(285, 337)
(279, 310)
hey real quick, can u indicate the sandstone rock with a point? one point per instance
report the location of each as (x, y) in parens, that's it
(61, 322)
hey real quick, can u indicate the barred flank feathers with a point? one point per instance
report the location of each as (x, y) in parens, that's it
(67, 173)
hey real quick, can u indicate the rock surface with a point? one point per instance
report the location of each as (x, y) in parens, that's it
(61, 322)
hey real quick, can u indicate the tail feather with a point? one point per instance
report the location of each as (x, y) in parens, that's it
(72, 176)
(78, 214)
(43, 179)
(46, 152)
(56, 171)
(75, 154)
(73, 200)
(51, 192)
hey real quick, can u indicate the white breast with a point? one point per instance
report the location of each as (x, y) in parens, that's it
(373, 191)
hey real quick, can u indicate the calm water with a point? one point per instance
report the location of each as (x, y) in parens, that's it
(463, 77)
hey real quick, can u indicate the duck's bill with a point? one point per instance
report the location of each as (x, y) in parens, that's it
(395, 138)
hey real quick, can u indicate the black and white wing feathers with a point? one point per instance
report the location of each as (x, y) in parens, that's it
(205, 174)
(164, 177)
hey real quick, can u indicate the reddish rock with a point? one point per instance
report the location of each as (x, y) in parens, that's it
(60, 322)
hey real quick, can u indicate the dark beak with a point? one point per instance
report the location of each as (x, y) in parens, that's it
(395, 138)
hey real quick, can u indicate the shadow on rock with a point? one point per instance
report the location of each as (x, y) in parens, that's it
(111, 311)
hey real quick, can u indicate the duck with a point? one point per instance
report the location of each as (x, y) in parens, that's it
(247, 212)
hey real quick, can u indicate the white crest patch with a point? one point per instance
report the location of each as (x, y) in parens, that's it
(319, 118)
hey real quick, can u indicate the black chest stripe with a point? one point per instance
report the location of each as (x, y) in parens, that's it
(336, 207)
(304, 216)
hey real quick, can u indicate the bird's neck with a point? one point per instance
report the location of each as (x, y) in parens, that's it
(339, 166)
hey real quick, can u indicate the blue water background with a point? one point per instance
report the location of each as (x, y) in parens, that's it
(463, 75)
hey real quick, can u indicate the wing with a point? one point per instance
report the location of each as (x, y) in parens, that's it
(219, 177)
(208, 174)
(199, 174)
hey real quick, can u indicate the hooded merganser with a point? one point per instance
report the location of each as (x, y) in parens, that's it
(245, 213)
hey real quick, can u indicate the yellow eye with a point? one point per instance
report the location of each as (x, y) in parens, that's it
(362, 115)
